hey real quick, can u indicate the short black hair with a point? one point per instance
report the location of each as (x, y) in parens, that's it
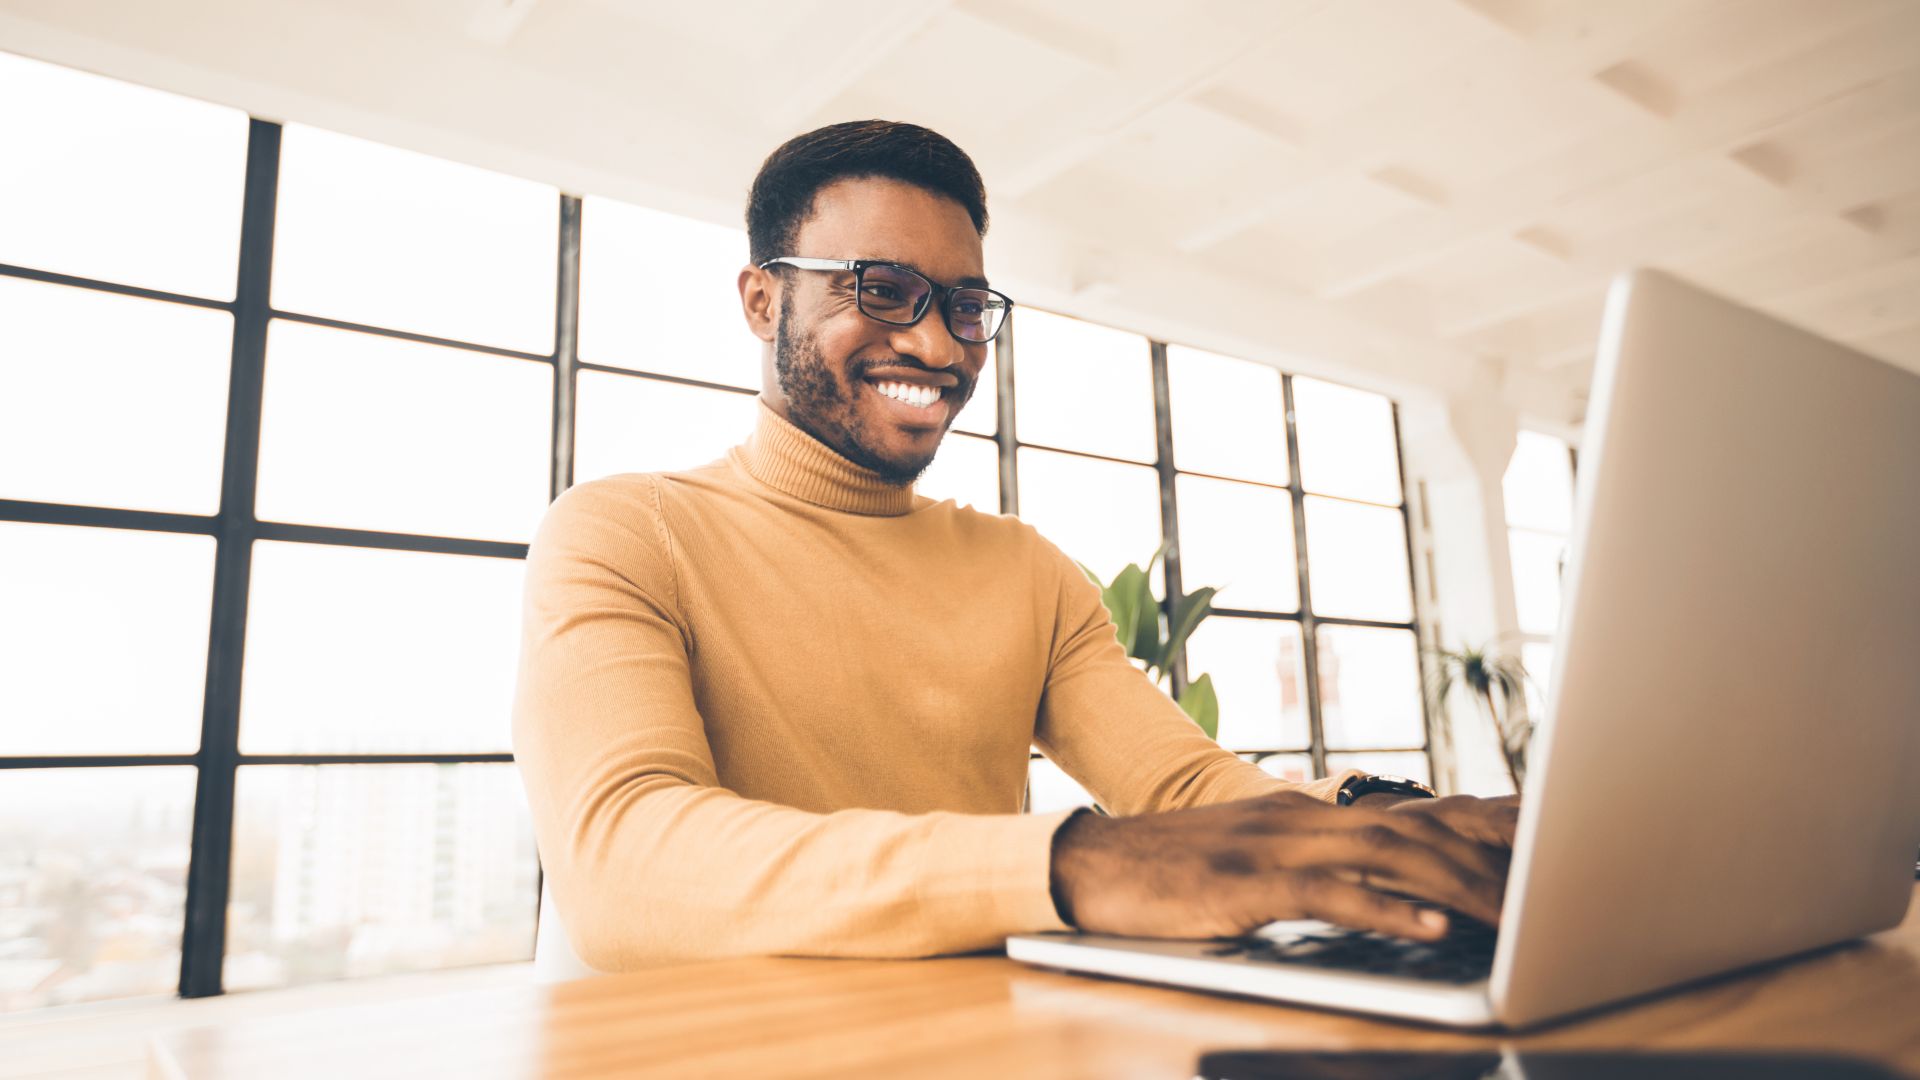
(781, 198)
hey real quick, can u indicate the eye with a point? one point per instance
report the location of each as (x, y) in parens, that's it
(881, 290)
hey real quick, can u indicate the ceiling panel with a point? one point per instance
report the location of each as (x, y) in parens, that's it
(1442, 179)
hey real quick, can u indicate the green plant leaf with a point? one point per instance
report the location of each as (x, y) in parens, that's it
(1145, 644)
(1200, 703)
(1440, 682)
(1188, 612)
(1122, 598)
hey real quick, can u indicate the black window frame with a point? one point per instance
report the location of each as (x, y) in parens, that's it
(235, 527)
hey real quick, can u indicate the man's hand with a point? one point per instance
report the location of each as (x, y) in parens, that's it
(1488, 821)
(1227, 869)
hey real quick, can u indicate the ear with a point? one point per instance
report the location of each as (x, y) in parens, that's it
(758, 302)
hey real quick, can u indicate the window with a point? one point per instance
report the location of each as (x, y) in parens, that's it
(111, 400)
(371, 521)
(342, 871)
(1538, 492)
(1305, 688)
(364, 431)
(226, 481)
(126, 184)
(354, 650)
(627, 424)
(103, 640)
(1228, 416)
(383, 237)
(966, 470)
(1085, 388)
(93, 883)
(658, 294)
(1105, 514)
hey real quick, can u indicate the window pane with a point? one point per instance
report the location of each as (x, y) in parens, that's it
(1297, 768)
(111, 401)
(341, 871)
(1259, 671)
(359, 650)
(387, 237)
(1347, 446)
(1478, 766)
(1411, 764)
(108, 180)
(370, 432)
(1370, 688)
(103, 640)
(1103, 514)
(1049, 788)
(93, 883)
(1357, 561)
(659, 292)
(1239, 539)
(1538, 658)
(966, 470)
(626, 424)
(981, 415)
(1083, 387)
(1537, 560)
(1229, 416)
(1538, 485)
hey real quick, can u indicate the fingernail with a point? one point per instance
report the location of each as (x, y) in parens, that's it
(1433, 920)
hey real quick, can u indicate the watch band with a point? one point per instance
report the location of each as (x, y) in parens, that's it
(1370, 784)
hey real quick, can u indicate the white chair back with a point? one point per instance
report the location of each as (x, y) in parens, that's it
(553, 957)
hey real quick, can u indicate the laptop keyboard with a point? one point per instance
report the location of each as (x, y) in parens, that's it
(1465, 955)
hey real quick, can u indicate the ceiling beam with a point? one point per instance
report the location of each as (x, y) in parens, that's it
(807, 88)
(1152, 82)
(1736, 114)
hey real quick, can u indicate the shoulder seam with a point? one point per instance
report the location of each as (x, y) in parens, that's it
(673, 557)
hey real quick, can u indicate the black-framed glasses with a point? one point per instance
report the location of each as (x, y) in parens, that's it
(900, 296)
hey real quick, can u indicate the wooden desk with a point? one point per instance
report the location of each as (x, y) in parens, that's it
(990, 1017)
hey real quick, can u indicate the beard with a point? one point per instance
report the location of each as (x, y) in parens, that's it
(821, 404)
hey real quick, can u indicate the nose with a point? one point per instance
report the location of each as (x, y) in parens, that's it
(930, 340)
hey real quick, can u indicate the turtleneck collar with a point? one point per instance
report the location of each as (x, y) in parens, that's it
(789, 460)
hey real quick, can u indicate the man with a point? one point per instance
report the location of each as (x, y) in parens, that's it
(782, 704)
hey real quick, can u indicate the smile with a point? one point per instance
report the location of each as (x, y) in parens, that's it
(908, 393)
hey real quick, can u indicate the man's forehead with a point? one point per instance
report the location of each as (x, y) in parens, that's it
(891, 221)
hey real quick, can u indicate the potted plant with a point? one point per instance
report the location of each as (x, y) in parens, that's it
(1156, 637)
(1498, 682)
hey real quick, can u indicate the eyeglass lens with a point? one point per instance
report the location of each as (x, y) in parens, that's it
(896, 295)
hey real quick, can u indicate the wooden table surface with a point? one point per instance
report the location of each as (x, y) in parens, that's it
(986, 1016)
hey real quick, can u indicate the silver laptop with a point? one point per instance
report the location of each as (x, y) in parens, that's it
(1729, 768)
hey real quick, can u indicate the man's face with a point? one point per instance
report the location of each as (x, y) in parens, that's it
(835, 368)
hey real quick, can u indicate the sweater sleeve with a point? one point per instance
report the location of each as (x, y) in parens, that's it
(647, 856)
(1108, 726)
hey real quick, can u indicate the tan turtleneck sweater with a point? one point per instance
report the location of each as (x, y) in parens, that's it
(775, 705)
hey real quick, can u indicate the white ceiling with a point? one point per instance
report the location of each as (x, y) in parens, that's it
(1407, 194)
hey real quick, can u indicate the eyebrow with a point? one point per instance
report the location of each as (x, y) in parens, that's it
(963, 283)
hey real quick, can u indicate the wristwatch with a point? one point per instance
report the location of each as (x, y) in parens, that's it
(1369, 784)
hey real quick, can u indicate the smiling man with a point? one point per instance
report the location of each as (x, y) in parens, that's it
(782, 703)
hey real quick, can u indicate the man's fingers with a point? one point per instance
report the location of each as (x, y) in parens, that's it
(1441, 836)
(1486, 821)
(1325, 896)
(1391, 859)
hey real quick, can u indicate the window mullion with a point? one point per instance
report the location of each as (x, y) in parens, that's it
(1004, 433)
(203, 942)
(566, 345)
(1169, 507)
(1309, 636)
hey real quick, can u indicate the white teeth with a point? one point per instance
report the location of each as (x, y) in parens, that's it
(921, 396)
